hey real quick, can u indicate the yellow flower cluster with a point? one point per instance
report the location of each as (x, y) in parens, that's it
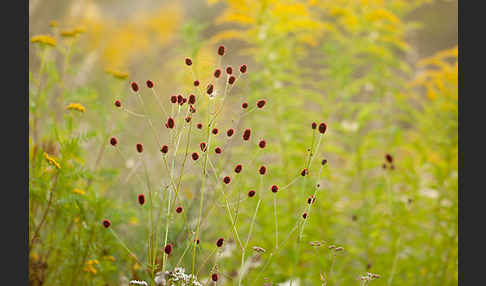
(52, 161)
(44, 39)
(117, 74)
(109, 257)
(79, 192)
(76, 106)
(89, 266)
(73, 32)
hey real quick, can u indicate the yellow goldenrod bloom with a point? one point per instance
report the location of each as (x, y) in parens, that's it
(52, 161)
(44, 39)
(76, 106)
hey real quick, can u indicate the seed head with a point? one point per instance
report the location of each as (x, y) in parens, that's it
(311, 200)
(164, 149)
(141, 199)
(150, 84)
(229, 70)
(246, 134)
(217, 73)
(188, 61)
(304, 215)
(389, 158)
(199, 126)
(106, 223)
(192, 109)
(134, 86)
(184, 100)
(196, 83)
(262, 170)
(173, 99)
(215, 131)
(210, 89)
(314, 125)
(192, 99)
(168, 249)
(231, 79)
(203, 146)
(219, 242)
(322, 128)
(188, 119)
(262, 144)
(195, 156)
(274, 188)
(221, 50)
(214, 277)
(218, 150)
(117, 103)
(324, 162)
(227, 180)
(230, 132)
(113, 141)
(197, 241)
(243, 68)
(180, 99)
(261, 103)
(139, 147)
(304, 172)
(238, 168)
(170, 123)
(244, 105)
(179, 209)
(251, 193)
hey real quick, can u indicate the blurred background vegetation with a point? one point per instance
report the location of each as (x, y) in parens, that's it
(381, 73)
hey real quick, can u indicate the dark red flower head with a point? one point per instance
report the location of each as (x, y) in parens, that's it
(219, 242)
(188, 119)
(218, 150)
(246, 134)
(238, 168)
(197, 241)
(203, 146)
(192, 109)
(389, 158)
(221, 50)
(262, 170)
(184, 100)
(150, 84)
(173, 99)
(243, 68)
(311, 199)
(210, 89)
(274, 188)
(251, 193)
(227, 180)
(164, 149)
(113, 141)
(214, 277)
(304, 215)
(230, 132)
(229, 70)
(215, 131)
(141, 199)
(196, 83)
(168, 249)
(262, 144)
(322, 127)
(314, 125)
(117, 103)
(244, 105)
(199, 126)
(188, 61)
(192, 99)
(170, 122)
(139, 147)
(231, 79)
(324, 162)
(106, 223)
(195, 156)
(261, 103)
(217, 73)
(134, 86)
(180, 98)
(304, 172)
(179, 209)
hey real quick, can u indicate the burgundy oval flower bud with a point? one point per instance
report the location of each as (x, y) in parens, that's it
(244, 105)
(183, 100)
(262, 144)
(134, 86)
(274, 188)
(215, 131)
(180, 98)
(188, 61)
(243, 68)
(192, 99)
(203, 146)
(210, 89)
(199, 126)
(188, 119)
(106, 223)
(117, 103)
(251, 193)
(113, 141)
(192, 109)
(229, 70)
(238, 168)
(168, 249)
(246, 134)
(197, 241)
(179, 209)
(227, 180)
(170, 122)
(196, 83)
(389, 158)
(262, 170)
(322, 128)
(164, 149)
(261, 103)
(173, 99)
(314, 125)
(219, 242)
(230, 132)
(141, 199)
(221, 50)
(218, 150)
(150, 84)
(139, 147)
(214, 277)
(195, 156)
(217, 73)
(304, 172)
(231, 79)
(323, 162)
(311, 199)
(304, 215)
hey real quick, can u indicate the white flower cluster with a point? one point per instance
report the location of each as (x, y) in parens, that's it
(369, 277)
(137, 282)
(177, 277)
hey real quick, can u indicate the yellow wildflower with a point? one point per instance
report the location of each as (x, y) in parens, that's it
(76, 219)
(53, 23)
(136, 266)
(79, 192)
(91, 269)
(35, 256)
(76, 106)
(44, 39)
(93, 261)
(133, 220)
(52, 161)
(117, 74)
(109, 257)
(73, 32)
